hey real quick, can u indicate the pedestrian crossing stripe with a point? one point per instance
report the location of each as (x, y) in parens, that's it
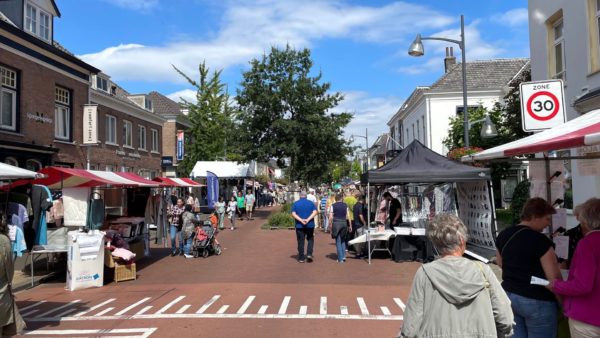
(69, 311)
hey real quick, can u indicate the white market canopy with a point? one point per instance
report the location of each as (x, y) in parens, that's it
(9, 172)
(224, 169)
(578, 132)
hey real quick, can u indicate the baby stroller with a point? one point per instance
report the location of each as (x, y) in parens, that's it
(204, 241)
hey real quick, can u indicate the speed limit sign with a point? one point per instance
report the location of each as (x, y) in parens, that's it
(542, 104)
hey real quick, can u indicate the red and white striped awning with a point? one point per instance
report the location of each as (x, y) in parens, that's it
(177, 182)
(578, 132)
(58, 178)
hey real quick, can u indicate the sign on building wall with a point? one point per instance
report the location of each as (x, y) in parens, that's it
(180, 145)
(90, 124)
(542, 105)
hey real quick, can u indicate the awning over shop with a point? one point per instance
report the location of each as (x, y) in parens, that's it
(9, 172)
(581, 131)
(58, 178)
(177, 182)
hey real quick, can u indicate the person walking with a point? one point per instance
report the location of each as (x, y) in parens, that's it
(189, 222)
(454, 296)
(359, 222)
(220, 210)
(11, 322)
(304, 212)
(241, 205)
(175, 212)
(323, 212)
(581, 290)
(340, 226)
(523, 252)
(231, 211)
(250, 199)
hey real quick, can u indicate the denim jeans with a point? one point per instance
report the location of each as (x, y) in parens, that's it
(325, 221)
(534, 318)
(301, 234)
(340, 245)
(173, 233)
(187, 245)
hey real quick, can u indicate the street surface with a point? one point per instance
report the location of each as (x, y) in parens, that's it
(256, 288)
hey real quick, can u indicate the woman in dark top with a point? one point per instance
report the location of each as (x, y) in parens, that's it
(524, 252)
(340, 223)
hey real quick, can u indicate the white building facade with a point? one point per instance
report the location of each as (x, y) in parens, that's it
(425, 115)
(565, 43)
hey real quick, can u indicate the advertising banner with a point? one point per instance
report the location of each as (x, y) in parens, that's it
(90, 124)
(212, 186)
(180, 150)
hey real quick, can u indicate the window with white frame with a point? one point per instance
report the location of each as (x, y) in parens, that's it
(148, 104)
(558, 50)
(38, 22)
(154, 140)
(142, 137)
(101, 83)
(62, 114)
(128, 134)
(111, 129)
(8, 99)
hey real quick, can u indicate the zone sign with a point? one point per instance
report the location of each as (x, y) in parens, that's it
(542, 104)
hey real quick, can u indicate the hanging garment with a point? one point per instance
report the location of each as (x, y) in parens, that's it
(149, 211)
(96, 214)
(17, 213)
(18, 241)
(75, 202)
(41, 201)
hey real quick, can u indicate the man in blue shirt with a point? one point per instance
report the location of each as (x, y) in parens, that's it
(304, 212)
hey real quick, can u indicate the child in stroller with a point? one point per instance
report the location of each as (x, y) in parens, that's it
(205, 241)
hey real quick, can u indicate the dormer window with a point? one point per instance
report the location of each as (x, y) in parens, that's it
(148, 104)
(38, 22)
(101, 83)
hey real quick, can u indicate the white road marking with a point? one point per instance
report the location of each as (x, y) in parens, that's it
(168, 306)
(344, 310)
(363, 306)
(142, 311)
(386, 311)
(32, 306)
(400, 304)
(103, 312)
(144, 332)
(284, 305)
(132, 306)
(94, 307)
(263, 309)
(208, 304)
(64, 313)
(303, 310)
(183, 309)
(323, 306)
(219, 316)
(29, 313)
(59, 308)
(223, 309)
(246, 304)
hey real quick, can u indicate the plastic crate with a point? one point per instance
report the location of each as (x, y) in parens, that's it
(125, 272)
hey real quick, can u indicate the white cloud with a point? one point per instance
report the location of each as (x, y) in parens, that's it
(248, 28)
(370, 113)
(513, 18)
(139, 5)
(187, 94)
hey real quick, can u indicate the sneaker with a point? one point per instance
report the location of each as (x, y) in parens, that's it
(309, 258)
(301, 261)
(188, 256)
(232, 228)
(174, 253)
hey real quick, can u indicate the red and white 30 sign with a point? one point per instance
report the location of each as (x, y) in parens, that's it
(542, 104)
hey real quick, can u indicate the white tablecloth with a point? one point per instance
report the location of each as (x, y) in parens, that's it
(374, 236)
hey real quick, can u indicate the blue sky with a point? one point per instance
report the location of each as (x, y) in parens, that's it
(360, 46)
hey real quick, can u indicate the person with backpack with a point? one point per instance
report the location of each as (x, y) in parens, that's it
(340, 226)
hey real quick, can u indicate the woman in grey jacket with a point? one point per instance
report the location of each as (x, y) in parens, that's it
(455, 297)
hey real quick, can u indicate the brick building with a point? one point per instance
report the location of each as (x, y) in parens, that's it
(43, 89)
(175, 120)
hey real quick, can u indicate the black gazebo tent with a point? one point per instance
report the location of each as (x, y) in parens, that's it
(419, 164)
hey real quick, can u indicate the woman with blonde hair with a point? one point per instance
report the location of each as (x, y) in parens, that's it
(454, 296)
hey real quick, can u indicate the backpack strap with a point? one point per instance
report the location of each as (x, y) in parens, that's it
(510, 238)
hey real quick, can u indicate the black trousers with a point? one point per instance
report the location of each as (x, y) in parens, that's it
(308, 234)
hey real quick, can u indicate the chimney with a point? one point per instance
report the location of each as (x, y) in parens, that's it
(449, 60)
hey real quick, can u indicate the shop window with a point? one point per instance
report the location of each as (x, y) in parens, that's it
(11, 161)
(33, 165)
(127, 134)
(62, 114)
(8, 99)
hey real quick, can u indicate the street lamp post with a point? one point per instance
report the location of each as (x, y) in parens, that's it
(366, 137)
(416, 49)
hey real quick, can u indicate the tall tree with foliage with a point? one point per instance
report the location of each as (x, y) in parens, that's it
(285, 114)
(211, 120)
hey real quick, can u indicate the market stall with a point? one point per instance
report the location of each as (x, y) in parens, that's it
(426, 184)
(232, 176)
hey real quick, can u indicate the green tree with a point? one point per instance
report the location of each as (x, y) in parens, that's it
(355, 170)
(285, 114)
(211, 119)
